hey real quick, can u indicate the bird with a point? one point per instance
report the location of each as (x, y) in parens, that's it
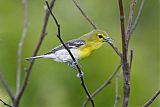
(80, 48)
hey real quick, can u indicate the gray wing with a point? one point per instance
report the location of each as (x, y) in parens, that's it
(73, 44)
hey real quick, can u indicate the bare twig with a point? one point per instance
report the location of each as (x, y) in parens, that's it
(130, 20)
(7, 88)
(117, 89)
(107, 82)
(20, 45)
(74, 60)
(85, 15)
(116, 49)
(126, 68)
(131, 58)
(136, 20)
(5, 103)
(152, 99)
(27, 74)
(138, 16)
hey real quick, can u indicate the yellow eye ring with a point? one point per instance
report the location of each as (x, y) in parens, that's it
(100, 36)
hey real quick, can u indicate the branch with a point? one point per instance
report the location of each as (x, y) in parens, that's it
(131, 58)
(27, 74)
(130, 20)
(106, 83)
(20, 45)
(117, 80)
(136, 20)
(5, 103)
(124, 45)
(117, 89)
(152, 99)
(74, 60)
(138, 16)
(85, 16)
(126, 68)
(7, 88)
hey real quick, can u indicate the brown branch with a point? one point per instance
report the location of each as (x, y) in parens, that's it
(85, 15)
(27, 74)
(150, 101)
(106, 83)
(123, 34)
(125, 65)
(117, 79)
(20, 45)
(5, 103)
(117, 89)
(74, 60)
(7, 88)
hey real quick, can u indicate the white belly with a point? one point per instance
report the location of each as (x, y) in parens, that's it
(64, 56)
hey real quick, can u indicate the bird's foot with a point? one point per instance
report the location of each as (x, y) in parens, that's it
(73, 64)
(79, 75)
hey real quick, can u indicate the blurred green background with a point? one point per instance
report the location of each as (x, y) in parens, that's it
(53, 84)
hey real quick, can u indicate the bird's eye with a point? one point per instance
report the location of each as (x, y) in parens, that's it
(100, 36)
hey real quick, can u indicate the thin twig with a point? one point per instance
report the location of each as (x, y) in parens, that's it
(5, 103)
(131, 58)
(130, 20)
(137, 19)
(150, 101)
(7, 88)
(126, 69)
(27, 74)
(116, 49)
(117, 89)
(74, 60)
(20, 45)
(85, 15)
(106, 83)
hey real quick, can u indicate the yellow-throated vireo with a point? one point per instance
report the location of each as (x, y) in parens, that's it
(81, 47)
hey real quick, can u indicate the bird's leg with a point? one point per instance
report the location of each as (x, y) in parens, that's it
(73, 65)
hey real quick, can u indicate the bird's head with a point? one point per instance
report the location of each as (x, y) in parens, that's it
(93, 40)
(98, 37)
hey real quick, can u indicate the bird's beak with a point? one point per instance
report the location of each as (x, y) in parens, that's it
(108, 39)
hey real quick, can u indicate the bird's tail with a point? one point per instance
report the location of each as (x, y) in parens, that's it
(34, 57)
